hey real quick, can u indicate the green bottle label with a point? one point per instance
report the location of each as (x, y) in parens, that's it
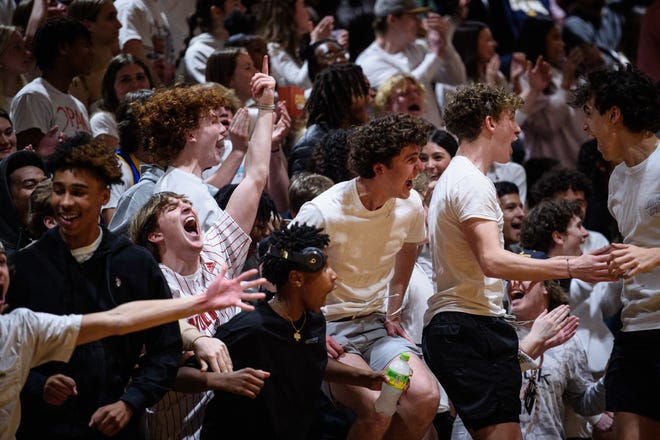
(396, 380)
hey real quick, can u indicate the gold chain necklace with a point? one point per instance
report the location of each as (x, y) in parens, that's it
(296, 331)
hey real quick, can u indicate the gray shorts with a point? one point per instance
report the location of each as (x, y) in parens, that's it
(367, 337)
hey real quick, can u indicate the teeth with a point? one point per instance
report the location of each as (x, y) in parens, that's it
(190, 224)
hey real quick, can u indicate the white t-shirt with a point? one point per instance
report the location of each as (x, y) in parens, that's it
(195, 190)
(634, 202)
(147, 21)
(40, 105)
(29, 339)
(180, 415)
(104, 122)
(511, 172)
(462, 193)
(363, 245)
(197, 55)
(286, 70)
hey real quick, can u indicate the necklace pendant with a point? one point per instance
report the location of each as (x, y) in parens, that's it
(296, 336)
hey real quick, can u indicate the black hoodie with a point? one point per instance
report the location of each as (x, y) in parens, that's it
(49, 279)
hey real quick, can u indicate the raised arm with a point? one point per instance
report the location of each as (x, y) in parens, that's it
(242, 205)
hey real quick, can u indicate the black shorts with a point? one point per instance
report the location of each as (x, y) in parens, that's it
(475, 358)
(632, 380)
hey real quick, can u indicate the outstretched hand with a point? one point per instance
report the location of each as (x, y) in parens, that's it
(627, 260)
(593, 267)
(223, 292)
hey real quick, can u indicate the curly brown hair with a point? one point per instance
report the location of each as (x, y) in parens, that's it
(170, 113)
(379, 140)
(468, 107)
(83, 151)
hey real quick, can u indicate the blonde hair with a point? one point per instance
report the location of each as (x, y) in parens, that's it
(387, 88)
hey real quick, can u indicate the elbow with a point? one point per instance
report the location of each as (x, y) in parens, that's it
(489, 267)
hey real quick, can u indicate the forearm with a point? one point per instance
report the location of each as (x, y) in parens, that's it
(338, 372)
(192, 380)
(532, 346)
(278, 180)
(257, 159)
(509, 266)
(403, 267)
(138, 315)
(227, 170)
(189, 334)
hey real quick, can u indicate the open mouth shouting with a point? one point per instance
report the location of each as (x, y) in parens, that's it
(415, 109)
(191, 226)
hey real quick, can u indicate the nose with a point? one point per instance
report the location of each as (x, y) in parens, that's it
(66, 199)
(520, 212)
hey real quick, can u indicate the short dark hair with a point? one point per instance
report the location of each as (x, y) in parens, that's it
(544, 219)
(294, 238)
(54, 32)
(557, 181)
(82, 151)
(381, 139)
(304, 187)
(505, 187)
(628, 89)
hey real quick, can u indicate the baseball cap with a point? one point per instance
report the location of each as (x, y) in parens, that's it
(383, 8)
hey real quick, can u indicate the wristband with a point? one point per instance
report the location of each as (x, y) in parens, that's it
(266, 106)
(568, 268)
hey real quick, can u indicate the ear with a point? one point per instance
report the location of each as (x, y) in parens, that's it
(379, 168)
(615, 115)
(557, 238)
(190, 136)
(296, 278)
(155, 236)
(105, 195)
(489, 123)
(216, 11)
(49, 222)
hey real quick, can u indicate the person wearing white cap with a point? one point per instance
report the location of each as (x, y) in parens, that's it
(397, 49)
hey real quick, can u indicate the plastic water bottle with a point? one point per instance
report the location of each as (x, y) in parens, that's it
(398, 375)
